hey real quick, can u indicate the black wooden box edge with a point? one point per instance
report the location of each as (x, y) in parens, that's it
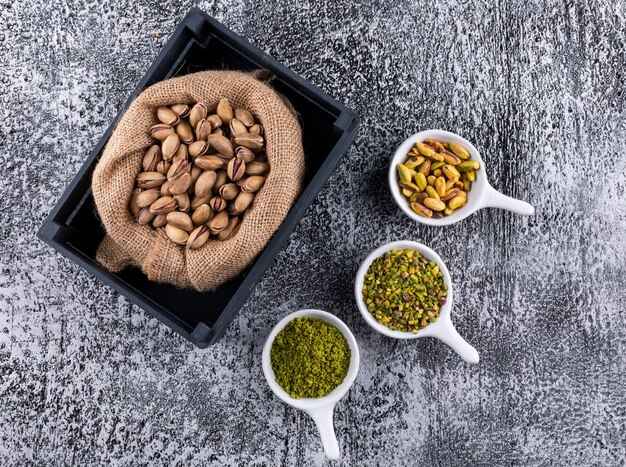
(54, 230)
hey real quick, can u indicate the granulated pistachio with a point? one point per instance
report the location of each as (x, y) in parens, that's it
(310, 357)
(404, 290)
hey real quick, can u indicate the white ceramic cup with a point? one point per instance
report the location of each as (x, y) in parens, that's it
(320, 409)
(442, 328)
(482, 194)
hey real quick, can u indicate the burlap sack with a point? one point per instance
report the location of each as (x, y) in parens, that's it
(128, 243)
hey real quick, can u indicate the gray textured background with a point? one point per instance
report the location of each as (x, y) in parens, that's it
(86, 378)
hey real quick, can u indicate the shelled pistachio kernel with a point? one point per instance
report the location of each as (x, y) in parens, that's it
(444, 172)
(404, 290)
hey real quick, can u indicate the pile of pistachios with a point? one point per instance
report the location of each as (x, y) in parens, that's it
(404, 290)
(203, 173)
(436, 177)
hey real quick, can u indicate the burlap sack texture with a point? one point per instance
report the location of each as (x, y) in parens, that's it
(128, 243)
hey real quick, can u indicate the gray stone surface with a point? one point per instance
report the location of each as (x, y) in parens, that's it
(88, 379)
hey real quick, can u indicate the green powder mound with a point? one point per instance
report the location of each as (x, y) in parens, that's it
(310, 357)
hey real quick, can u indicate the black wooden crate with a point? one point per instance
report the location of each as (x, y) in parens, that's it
(202, 43)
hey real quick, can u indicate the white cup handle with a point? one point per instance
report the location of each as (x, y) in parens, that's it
(323, 418)
(495, 199)
(449, 335)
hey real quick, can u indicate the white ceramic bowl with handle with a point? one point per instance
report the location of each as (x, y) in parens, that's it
(320, 409)
(442, 328)
(482, 194)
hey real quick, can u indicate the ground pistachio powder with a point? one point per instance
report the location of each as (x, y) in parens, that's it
(310, 357)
